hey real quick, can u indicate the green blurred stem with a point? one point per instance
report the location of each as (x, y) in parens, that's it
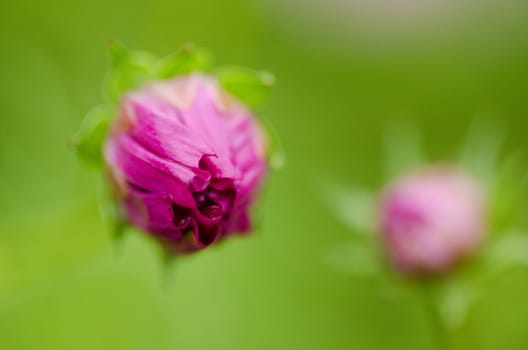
(441, 332)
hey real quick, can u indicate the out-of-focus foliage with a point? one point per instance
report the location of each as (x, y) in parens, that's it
(450, 296)
(65, 285)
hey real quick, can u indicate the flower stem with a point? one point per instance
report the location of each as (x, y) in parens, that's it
(439, 329)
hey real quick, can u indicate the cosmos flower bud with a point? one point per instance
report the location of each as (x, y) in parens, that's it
(432, 219)
(186, 161)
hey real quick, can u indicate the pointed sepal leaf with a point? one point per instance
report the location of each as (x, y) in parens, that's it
(508, 251)
(354, 206)
(481, 150)
(128, 70)
(403, 148)
(508, 192)
(188, 59)
(275, 150)
(111, 212)
(250, 86)
(89, 140)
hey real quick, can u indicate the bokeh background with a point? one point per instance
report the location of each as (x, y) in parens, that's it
(345, 69)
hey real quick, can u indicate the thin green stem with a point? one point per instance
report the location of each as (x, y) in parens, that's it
(439, 329)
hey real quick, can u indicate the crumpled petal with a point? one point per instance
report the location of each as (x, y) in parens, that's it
(187, 161)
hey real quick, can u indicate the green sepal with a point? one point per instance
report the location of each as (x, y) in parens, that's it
(88, 141)
(250, 86)
(128, 70)
(188, 59)
(275, 151)
(403, 149)
(111, 211)
(508, 190)
(481, 151)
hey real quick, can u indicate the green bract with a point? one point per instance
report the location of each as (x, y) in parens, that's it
(249, 86)
(131, 69)
(89, 139)
(450, 296)
(187, 59)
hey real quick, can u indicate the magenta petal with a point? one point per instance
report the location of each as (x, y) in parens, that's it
(240, 222)
(149, 171)
(203, 115)
(159, 128)
(196, 235)
(187, 161)
(249, 154)
(152, 213)
(206, 236)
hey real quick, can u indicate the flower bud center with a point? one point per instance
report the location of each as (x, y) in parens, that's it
(214, 204)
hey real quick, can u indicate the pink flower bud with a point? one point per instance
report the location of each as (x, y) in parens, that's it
(186, 161)
(432, 219)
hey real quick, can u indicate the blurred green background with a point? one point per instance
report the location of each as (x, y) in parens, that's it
(342, 75)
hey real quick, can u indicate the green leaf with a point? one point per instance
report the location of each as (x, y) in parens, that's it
(355, 207)
(275, 151)
(455, 303)
(128, 70)
(188, 59)
(403, 148)
(508, 251)
(480, 152)
(249, 86)
(111, 211)
(508, 192)
(89, 140)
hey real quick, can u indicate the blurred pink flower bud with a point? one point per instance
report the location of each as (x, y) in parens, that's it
(186, 161)
(432, 219)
